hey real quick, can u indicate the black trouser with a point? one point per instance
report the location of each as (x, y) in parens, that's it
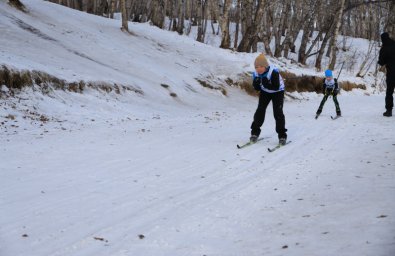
(389, 99)
(277, 99)
(334, 96)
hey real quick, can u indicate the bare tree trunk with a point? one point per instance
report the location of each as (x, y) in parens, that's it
(205, 21)
(246, 21)
(321, 51)
(307, 28)
(390, 24)
(101, 8)
(77, 4)
(335, 34)
(111, 9)
(172, 16)
(279, 30)
(201, 20)
(250, 31)
(88, 6)
(124, 16)
(180, 17)
(292, 30)
(214, 13)
(224, 24)
(158, 12)
(236, 41)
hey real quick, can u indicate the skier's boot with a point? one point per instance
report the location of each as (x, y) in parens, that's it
(253, 138)
(282, 141)
(388, 113)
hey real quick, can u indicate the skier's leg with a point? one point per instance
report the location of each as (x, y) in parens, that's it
(337, 106)
(322, 104)
(389, 99)
(278, 102)
(259, 116)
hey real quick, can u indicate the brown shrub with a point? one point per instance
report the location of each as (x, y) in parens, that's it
(16, 80)
(17, 4)
(209, 86)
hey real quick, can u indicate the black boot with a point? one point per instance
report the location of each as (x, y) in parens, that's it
(254, 138)
(388, 113)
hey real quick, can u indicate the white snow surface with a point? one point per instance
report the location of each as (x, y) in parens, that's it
(98, 173)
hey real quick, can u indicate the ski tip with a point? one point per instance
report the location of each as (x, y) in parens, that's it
(238, 146)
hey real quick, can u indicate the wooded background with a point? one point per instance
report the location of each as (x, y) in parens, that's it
(242, 24)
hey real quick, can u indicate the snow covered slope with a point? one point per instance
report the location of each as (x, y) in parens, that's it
(108, 174)
(75, 46)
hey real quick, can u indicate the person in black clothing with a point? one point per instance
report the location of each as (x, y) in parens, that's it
(329, 87)
(268, 81)
(387, 59)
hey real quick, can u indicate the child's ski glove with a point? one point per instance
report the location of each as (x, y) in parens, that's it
(257, 83)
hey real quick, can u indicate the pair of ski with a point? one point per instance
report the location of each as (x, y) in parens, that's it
(269, 149)
(332, 117)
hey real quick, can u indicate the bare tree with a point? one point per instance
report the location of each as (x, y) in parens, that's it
(237, 21)
(250, 24)
(390, 22)
(124, 16)
(158, 12)
(181, 16)
(224, 24)
(281, 26)
(327, 28)
(201, 19)
(333, 46)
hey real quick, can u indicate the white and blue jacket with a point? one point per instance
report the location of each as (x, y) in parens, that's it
(270, 81)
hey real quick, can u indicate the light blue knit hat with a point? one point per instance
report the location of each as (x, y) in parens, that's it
(328, 73)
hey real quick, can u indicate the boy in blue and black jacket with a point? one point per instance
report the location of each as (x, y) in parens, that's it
(329, 87)
(268, 81)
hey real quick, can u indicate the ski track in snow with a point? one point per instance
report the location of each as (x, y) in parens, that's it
(182, 183)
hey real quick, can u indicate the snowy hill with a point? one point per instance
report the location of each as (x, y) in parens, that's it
(91, 48)
(158, 172)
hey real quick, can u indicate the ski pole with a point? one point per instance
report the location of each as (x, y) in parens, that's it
(340, 70)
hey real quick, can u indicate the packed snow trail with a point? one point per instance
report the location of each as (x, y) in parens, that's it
(175, 184)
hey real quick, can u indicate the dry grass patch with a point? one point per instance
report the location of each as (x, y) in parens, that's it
(16, 80)
(205, 84)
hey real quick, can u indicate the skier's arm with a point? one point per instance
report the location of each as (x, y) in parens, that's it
(275, 80)
(336, 89)
(256, 82)
(382, 61)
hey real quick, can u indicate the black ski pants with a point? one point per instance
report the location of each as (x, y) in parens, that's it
(277, 99)
(389, 98)
(337, 106)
